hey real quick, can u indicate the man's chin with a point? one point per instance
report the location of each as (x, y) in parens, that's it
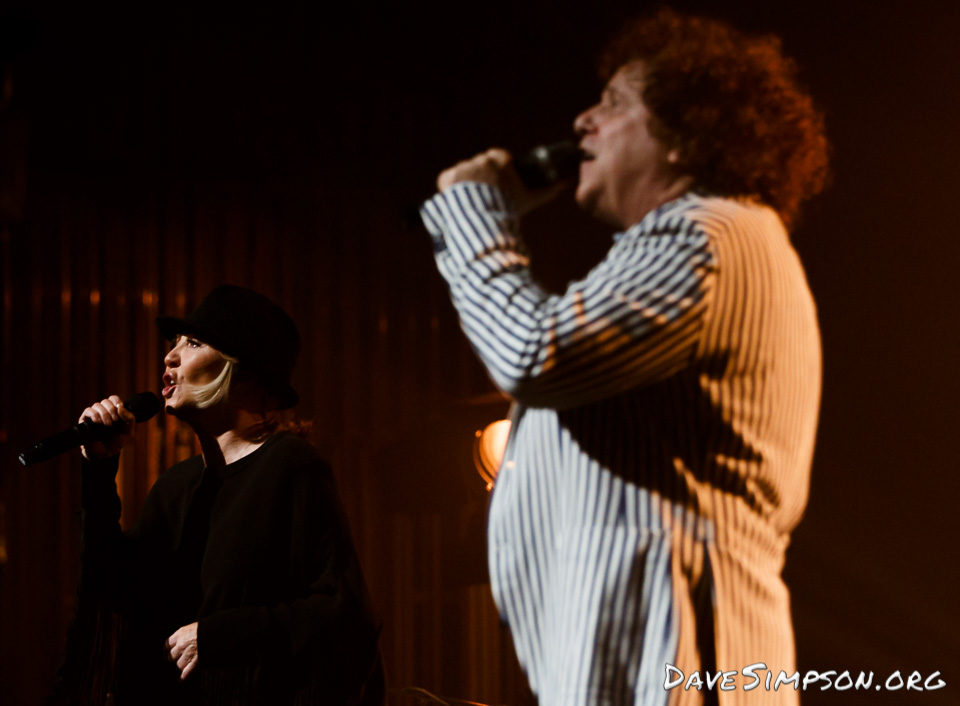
(585, 197)
(589, 202)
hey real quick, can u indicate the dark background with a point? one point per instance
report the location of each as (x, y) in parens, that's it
(148, 154)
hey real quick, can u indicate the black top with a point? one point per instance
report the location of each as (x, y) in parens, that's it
(259, 553)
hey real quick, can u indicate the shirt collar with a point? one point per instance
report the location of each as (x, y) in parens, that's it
(638, 227)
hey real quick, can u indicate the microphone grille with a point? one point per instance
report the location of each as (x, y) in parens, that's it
(144, 405)
(548, 164)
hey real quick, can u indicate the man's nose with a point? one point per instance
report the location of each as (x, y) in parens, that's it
(583, 123)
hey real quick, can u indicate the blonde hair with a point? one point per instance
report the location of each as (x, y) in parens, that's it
(218, 389)
(271, 421)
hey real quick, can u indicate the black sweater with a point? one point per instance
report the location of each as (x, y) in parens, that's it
(259, 554)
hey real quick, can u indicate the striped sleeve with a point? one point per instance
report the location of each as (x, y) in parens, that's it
(634, 319)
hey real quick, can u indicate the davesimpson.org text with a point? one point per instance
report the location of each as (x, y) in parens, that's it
(758, 676)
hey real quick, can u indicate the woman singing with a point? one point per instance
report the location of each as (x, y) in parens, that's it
(239, 584)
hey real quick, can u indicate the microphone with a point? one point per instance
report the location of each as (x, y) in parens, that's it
(547, 165)
(542, 166)
(144, 405)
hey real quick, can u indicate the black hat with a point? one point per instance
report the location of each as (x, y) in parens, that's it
(247, 326)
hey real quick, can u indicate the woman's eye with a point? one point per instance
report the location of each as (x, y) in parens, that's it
(193, 343)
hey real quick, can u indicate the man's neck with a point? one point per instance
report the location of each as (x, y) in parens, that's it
(652, 201)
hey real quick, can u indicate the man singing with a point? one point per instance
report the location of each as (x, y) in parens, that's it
(666, 404)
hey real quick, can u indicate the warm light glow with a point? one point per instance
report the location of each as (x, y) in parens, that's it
(488, 449)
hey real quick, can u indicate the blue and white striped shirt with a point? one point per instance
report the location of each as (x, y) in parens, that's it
(665, 415)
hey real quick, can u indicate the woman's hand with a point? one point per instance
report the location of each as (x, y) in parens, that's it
(109, 411)
(182, 649)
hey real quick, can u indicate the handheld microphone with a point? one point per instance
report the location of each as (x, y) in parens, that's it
(144, 405)
(542, 166)
(547, 165)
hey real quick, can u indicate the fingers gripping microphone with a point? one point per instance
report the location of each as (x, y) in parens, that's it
(144, 405)
(542, 166)
(547, 165)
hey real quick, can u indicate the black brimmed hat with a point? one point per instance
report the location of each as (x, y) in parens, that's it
(245, 325)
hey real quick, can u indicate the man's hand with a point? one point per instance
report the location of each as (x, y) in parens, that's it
(182, 649)
(494, 167)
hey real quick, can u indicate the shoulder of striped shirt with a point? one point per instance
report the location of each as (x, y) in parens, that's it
(712, 215)
(731, 211)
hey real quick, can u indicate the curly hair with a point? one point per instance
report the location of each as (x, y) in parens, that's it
(729, 104)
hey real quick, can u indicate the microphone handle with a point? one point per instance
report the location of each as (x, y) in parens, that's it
(144, 405)
(542, 166)
(77, 435)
